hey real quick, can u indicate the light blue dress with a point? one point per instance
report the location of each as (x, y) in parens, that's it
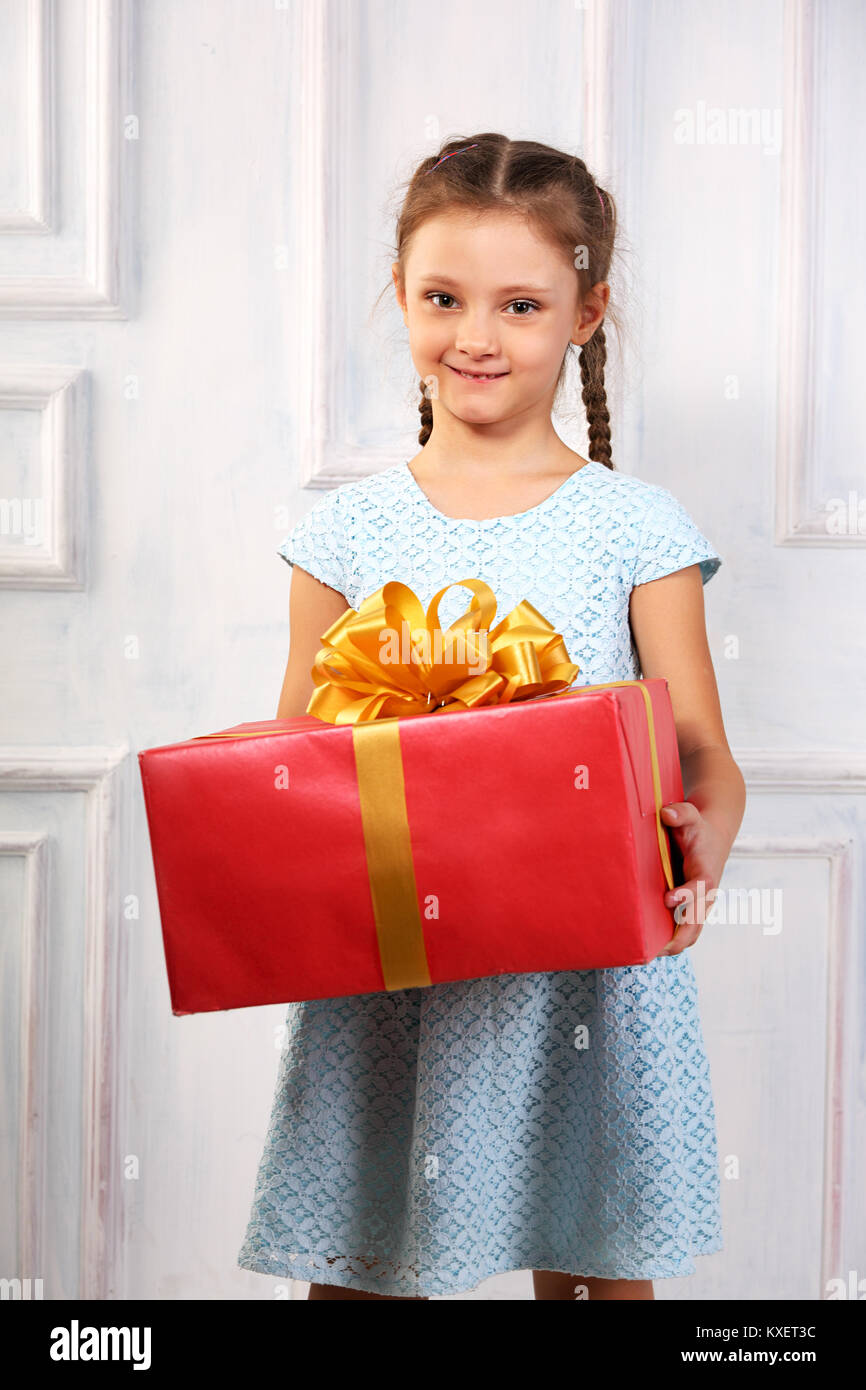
(424, 1140)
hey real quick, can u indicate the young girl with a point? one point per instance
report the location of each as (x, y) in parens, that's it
(426, 1139)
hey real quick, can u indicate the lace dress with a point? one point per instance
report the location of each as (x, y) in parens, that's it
(424, 1140)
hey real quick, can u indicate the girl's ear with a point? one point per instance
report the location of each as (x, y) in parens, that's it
(398, 286)
(591, 313)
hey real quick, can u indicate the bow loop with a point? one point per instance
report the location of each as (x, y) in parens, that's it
(392, 659)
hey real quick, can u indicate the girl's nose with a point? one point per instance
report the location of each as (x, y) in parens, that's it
(476, 339)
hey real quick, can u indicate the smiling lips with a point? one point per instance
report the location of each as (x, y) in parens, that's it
(477, 376)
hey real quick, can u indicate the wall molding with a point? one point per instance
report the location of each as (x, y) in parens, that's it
(815, 773)
(36, 216)
(799, 520)
(95, 293)
(102, 773)
(34, 847)
(802, 769)
(58, 393)
(326, 460)
(839, 1074)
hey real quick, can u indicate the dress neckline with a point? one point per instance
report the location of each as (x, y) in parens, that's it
(555, 496)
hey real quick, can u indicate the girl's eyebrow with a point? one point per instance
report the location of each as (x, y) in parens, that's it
(507, 289)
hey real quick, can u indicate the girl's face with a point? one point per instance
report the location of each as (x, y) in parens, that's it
(485, 297)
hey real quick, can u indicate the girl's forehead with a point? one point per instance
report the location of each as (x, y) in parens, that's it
(501, 239)
(468, 222)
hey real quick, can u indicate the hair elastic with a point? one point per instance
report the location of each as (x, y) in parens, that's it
(450, 153)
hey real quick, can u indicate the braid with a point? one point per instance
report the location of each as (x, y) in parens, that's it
(593, 356)
(426, 410)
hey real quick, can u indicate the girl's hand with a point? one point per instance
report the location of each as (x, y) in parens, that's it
(704, 851)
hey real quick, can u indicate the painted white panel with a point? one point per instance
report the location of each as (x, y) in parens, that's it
(196, 219)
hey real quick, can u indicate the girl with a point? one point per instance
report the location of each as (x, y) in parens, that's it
(423, 1140)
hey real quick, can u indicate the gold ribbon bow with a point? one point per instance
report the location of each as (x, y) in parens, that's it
(419, 669)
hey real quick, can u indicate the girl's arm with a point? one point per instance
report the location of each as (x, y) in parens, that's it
(669, 629)
(313, 607)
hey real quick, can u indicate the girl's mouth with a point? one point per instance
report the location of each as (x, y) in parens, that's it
(480, 377)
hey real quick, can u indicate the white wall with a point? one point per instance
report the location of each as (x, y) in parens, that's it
(196, 215)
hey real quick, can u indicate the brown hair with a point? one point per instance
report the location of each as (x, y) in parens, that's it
(560, 198)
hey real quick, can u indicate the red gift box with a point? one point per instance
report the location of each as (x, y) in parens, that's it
(297, 859)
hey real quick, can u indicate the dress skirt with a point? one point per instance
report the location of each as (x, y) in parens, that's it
(424, 1140)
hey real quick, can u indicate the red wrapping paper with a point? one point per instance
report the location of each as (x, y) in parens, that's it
(264, 889)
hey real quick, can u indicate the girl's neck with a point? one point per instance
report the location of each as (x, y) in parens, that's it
(480, 493)
(493, 466)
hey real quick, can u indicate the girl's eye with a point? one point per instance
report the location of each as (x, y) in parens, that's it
(441, 294)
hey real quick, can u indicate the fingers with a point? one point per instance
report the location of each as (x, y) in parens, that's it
(679, 813)
(684, 936)
(691, 902)
(692, 899)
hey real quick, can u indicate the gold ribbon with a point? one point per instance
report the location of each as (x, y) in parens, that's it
(654, 759)
(434, 672)
(388, 847)
(526, 659)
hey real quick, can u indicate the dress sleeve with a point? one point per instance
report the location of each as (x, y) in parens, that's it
(669, 541)
(316, 542)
